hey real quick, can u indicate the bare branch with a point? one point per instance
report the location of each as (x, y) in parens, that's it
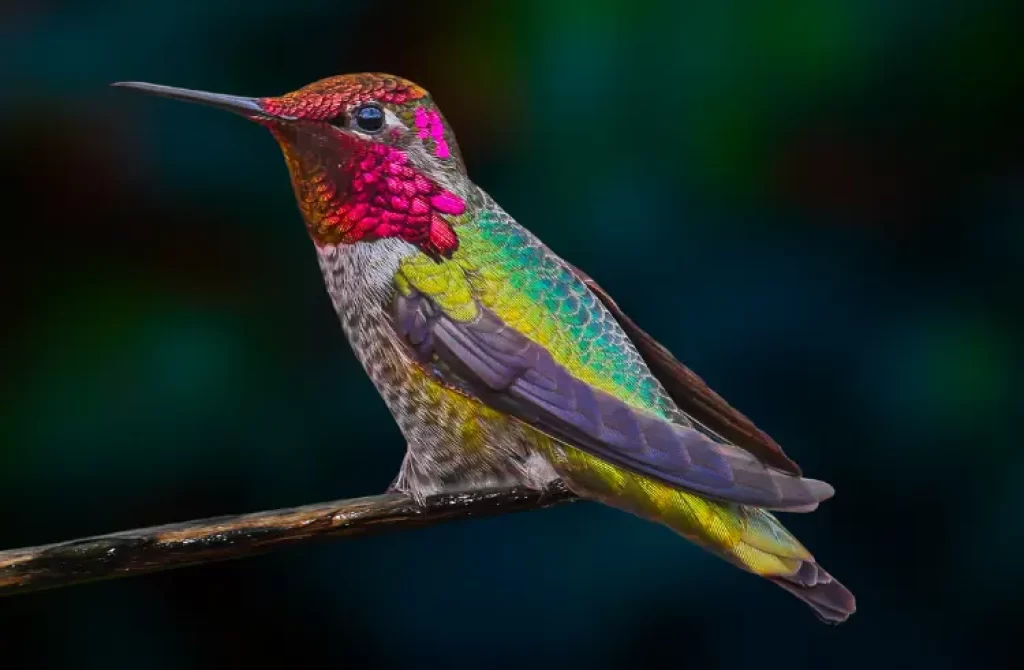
(137, 552)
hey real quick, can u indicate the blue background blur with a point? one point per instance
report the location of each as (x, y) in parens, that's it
(818, 205)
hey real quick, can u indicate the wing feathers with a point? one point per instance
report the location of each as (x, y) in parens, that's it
(690, 392)
(514, 374)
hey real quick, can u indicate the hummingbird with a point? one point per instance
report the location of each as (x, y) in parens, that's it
(502, 363)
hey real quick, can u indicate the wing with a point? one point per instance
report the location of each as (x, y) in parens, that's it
(477, 352)
(690, 392)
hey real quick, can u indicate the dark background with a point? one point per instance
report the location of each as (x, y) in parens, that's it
(818, 205)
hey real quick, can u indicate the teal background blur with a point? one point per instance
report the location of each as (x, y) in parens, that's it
(817, 205)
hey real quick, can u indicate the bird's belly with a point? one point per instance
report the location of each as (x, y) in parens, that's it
(454, 441)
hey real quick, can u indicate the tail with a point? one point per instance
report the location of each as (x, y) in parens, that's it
(831, 601)
(748, 537)
(762, 545)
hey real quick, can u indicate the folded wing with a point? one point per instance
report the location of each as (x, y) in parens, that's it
(484, 356)
(689, 391)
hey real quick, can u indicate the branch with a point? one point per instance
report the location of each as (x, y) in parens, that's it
(145, 550)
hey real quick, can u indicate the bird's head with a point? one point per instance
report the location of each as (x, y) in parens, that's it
(370, 157)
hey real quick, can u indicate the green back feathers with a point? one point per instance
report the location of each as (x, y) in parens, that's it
(507, 270)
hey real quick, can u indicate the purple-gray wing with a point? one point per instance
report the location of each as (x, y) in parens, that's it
(506, 370)
(690, 393)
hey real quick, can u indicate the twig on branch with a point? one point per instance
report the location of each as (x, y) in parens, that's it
(137, 552)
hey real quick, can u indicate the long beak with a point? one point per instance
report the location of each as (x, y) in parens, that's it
(248, 107)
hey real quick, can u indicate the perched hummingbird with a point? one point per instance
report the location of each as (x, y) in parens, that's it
(502, 363)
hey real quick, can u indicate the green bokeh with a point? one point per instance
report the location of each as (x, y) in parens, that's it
(816, 204)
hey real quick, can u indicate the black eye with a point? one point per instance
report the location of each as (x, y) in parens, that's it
(369, 118)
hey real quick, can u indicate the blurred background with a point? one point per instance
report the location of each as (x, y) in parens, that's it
(817, 205)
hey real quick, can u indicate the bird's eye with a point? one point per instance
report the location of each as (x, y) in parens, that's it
(369, 118)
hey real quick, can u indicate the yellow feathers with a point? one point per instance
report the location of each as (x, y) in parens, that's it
(445, 283)
(751, 538)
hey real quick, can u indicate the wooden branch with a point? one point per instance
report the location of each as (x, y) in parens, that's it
(145, 550)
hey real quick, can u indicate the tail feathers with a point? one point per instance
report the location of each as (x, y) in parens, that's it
(766, 548)
(750, 538)
(830, 600)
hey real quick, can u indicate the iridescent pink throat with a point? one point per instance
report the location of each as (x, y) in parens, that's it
(379, 195)
(388, 198)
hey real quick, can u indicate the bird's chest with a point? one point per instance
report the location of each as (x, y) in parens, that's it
(360, 282)
(454, 438)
